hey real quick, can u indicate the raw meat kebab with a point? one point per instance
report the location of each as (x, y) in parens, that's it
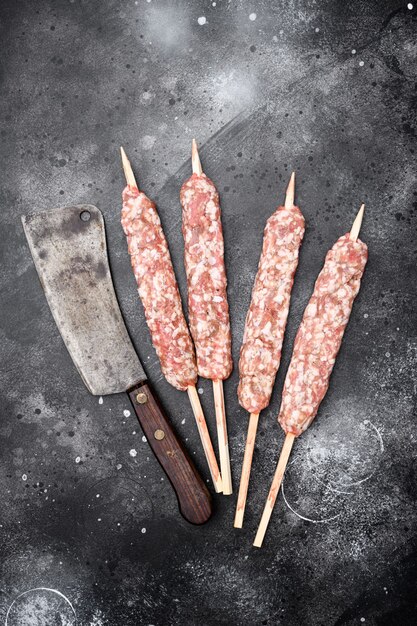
(316, 346)
(208, 309)
(260, 354)
(158, 291)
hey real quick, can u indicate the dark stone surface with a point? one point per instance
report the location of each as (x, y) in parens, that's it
(284, 91)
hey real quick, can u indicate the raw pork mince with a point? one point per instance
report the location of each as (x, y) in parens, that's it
(260, 354)
(158, 290)
(320, 334)
(208, 309)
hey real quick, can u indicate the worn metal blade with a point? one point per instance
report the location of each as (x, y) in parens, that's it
(68, 246)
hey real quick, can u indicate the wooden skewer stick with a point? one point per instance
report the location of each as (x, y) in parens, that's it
(205, 438)
(195, 159)
(273, 492)
(217, 384)
(246, 468)
(222, 437)
(127, 168)
(289, 439)
(254, 417)
(192, 391)
(290, 193)
(354, 232)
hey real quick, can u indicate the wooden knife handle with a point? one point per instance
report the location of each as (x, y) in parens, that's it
(193, 496)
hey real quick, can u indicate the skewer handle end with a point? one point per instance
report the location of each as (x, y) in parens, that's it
(273, 492)
(246, 469)
(222, 437)
(205, 438)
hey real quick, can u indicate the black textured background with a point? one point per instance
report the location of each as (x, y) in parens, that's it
(263, 96)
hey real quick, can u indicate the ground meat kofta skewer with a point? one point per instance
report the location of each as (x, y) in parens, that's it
(208, 309)
(260, 354)
(158, 290)
(316, 346)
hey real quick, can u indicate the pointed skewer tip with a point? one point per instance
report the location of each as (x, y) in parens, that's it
(127, 168)
(195, 159)
(125, 160)
(356, 226)
(290, 193)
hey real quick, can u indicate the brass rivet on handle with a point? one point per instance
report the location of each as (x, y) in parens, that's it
(159, 434)
(141, 398)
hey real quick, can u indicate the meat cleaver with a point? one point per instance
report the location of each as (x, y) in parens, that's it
(68, 246)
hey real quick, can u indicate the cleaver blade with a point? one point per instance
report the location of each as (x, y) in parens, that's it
(68, 246)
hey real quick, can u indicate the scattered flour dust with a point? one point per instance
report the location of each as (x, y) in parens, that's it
(148, 142)
(126, 413)
(38, 605)
(133, 453)
(100, 400)
(252, 17)
(98, 619)
(202, 20)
